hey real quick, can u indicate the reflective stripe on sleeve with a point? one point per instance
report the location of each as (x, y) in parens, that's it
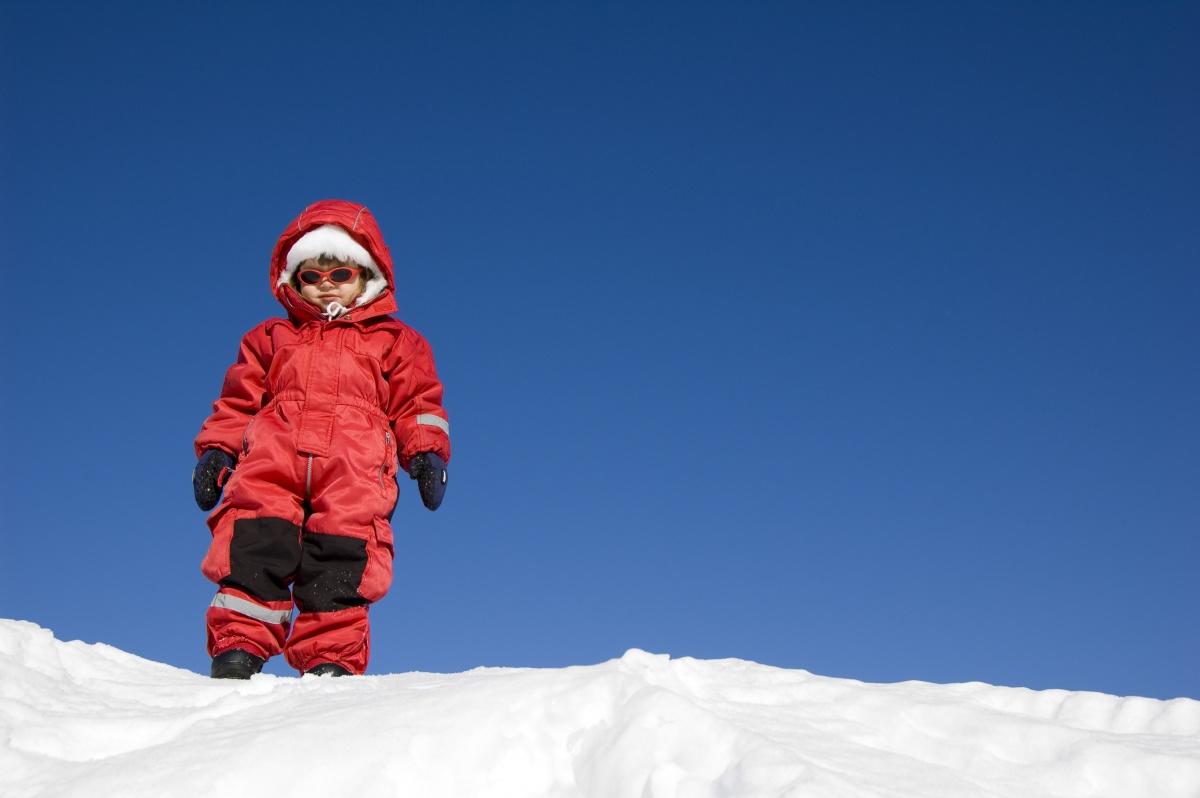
(250, 609)
(429, 419)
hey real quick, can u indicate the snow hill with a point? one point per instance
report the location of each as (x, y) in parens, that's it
(91, 720)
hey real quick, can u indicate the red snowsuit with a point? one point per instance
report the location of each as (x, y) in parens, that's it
(317, 413)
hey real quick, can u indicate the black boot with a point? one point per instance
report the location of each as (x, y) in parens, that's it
(327, 669)
(236, 664)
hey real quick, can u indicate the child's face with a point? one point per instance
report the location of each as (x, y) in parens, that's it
(326, 291)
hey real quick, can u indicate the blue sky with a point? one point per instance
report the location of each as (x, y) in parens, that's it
(850, 337)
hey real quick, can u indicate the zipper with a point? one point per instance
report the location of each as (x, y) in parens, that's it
(308, 479)
(246, 437)
(387, 452)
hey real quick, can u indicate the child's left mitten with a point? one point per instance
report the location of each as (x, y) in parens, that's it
(209, 477)
(429, 471)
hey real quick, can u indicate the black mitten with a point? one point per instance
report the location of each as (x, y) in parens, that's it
(429, 471)
(210, 476)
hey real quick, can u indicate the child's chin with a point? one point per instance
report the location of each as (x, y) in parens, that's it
(323, 304)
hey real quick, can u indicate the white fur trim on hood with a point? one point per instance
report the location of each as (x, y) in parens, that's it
(332, 241)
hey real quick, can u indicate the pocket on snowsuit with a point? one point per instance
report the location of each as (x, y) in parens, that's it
(216, 564)
(377, 575)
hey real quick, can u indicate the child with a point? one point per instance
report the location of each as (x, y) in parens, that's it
(304, 442)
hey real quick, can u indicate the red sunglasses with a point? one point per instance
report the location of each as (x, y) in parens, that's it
(342, 274)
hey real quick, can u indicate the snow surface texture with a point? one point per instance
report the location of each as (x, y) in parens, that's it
(91, 720)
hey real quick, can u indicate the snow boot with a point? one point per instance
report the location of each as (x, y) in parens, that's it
(327, 669)
(236, 664)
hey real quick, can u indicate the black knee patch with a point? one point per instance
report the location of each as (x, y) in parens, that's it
(264, 556)
(331, 570)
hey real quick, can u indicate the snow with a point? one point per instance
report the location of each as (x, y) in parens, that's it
(90, 720)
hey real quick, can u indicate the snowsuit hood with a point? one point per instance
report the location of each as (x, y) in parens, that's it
(360, 224)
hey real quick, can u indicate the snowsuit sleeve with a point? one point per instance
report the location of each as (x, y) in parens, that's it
(242, 396)
(415, 400)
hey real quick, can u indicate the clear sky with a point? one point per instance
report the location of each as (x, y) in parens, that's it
(858, 338)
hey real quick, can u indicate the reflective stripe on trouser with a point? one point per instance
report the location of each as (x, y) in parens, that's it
(243, 606)
(235, 619)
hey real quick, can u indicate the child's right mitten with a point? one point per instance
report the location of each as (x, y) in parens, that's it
(209, 477)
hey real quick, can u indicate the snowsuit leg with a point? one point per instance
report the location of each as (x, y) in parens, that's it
(309, 527)
(255, 551)
(345, 552)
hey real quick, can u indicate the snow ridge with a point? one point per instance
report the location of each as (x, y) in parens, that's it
(87, 720)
